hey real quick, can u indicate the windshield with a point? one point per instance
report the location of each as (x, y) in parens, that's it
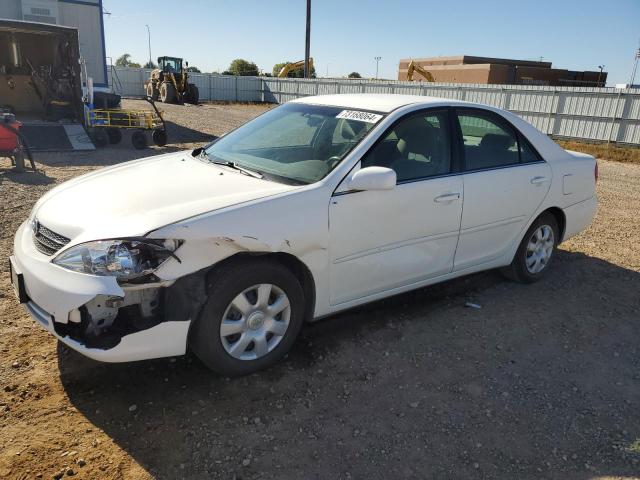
(172, 65)
(295, 142)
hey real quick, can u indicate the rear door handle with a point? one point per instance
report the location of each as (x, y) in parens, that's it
(538, 180)
(447, 197)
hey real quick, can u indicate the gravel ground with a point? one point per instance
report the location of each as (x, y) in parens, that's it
(542, 382)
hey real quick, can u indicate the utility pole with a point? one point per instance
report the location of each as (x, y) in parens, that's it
(635, 68)
(377, 59)
(601, 67)
(149, 41)
(307, 42)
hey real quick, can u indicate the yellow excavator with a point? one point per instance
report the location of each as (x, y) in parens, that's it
(414, 67)
(284, 71)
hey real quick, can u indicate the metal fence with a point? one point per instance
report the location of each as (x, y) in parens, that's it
(585, 113)
(130, 82)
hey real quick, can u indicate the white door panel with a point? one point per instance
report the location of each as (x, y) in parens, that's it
(498, 204)
(385, 239)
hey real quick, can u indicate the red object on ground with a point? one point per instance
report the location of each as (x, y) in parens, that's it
(8, 139)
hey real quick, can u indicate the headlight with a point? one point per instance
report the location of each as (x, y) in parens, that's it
(125, 259)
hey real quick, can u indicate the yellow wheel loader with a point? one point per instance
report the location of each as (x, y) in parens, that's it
(169, 83)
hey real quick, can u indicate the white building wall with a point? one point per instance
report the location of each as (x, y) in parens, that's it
(88, 20)
(10, 9)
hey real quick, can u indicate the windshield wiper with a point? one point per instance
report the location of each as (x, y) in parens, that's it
(230, 164)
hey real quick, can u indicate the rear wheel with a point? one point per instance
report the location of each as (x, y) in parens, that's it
(167, 92)
(254, 312)
(193, 94)
(115, 135)
(139, 139)
(536, 251)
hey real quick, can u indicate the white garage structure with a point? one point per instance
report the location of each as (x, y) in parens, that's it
(85, 15)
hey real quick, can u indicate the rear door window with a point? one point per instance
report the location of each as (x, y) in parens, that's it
(488, 142)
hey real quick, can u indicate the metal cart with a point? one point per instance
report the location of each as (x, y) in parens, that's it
(104, 125)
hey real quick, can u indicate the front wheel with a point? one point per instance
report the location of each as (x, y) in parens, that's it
(254, 312)
(536, 251)
(167, 92)
(152, 92)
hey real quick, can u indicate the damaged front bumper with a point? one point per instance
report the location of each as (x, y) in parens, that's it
(99, 318)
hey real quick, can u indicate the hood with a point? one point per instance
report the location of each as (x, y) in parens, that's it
(133, 198)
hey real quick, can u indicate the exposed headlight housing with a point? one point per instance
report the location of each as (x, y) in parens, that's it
(126, 259)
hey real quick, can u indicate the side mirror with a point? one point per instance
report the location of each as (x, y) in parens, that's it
(373, 178)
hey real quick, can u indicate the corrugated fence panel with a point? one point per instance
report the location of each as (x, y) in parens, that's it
(581, 127)
(629, 132)
(531, 101)
(249, 89)
(489, 97)
(541, 121)
(604, 114)
(223, 89)
(634, 107)
(589, 105)
(202, 82)
(378, 88)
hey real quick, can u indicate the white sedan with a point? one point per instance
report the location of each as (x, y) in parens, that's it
(318, 205)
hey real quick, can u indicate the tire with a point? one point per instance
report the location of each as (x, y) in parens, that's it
(115, 135)
(159, 137)
(152, 92)
(167, 93)
(139, 140)
(194, 94)
(243, 279)
(99, 137)
(530, 266)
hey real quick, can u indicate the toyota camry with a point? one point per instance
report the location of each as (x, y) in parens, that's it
(316, 206)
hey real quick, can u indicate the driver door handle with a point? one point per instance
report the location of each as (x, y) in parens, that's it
(447, 197)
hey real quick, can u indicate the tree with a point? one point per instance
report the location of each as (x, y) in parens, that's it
(150, 65)
(295, 73)
(193, 69)
(124, 60)
(243, 68)
(354, 75)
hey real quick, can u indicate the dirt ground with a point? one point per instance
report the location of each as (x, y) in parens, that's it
(542, 382)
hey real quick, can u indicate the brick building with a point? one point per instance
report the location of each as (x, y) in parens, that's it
(470, 69)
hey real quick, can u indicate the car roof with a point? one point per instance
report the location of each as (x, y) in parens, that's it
(380, 102)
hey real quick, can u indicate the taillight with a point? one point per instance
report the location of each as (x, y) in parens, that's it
(595, 171)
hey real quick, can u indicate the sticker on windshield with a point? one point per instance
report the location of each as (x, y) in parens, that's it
(359, 116)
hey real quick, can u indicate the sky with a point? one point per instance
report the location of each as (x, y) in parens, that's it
(346, 35)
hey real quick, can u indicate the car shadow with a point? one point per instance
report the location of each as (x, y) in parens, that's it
(476, 376)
